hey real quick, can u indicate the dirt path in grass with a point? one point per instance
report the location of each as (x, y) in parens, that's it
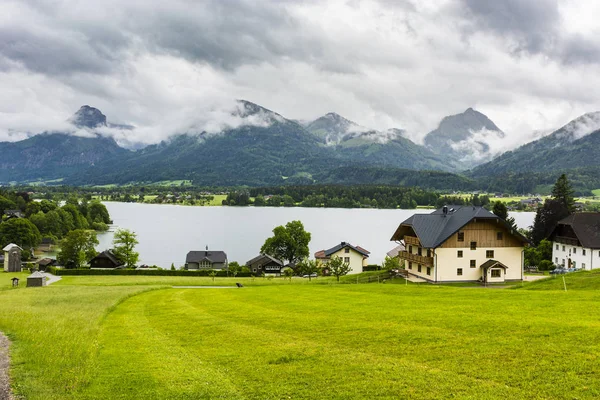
(4, 364)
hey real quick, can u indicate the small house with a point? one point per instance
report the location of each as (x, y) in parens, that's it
(264, 263)
(12, 258)
(36, 279)
(44, 263)
(207, 259)
(576, 241)
(355, 256)
(461, 244)
(10, 214)
(105, 260)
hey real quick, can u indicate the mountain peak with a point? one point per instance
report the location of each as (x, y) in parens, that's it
(88, 117)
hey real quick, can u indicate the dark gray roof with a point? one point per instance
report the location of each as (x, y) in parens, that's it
(214, 256)
(109, 255)
(435, 228)
(492, 263)
(343, 245)
(586, 226)
(264, 259)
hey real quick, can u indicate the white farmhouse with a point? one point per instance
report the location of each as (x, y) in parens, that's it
(461, 244)
(576, 241)
(355, 256)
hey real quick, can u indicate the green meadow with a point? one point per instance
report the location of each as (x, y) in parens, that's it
(113, 337)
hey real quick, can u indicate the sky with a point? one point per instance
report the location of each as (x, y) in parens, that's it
(166, 67)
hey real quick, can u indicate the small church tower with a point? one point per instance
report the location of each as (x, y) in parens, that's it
(12, 258)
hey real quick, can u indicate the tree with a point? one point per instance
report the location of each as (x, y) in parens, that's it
(234, 268)
(338, 267)
(288, 273)
(390, 263)
(19, 231)
(563, 193)
(212, 274)
(309, 267)
(97, 212)
(289, 242)
(501, 211)
(77, 248)
(124, 246)
(259, 201)
(546, 219)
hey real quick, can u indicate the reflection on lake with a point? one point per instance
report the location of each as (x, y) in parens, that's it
(167, 232)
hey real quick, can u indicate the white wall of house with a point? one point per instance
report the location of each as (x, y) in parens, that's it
(582, 257)
(448, 263)
(353, 257)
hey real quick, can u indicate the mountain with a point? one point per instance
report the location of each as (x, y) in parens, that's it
(464, 138)
(575, 145)
(355, 143)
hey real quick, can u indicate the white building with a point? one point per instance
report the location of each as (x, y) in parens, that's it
(576, 241)
(461, 244)
(355, 256)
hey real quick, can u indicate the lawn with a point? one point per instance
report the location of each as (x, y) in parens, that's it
(109, 337)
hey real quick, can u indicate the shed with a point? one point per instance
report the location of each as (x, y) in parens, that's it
(36, 279)
(12, 258)
(105, 260)
(45, 263)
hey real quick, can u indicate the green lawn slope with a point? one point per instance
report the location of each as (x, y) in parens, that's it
(582, 280)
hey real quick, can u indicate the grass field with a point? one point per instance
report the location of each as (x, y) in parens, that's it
(136, 337)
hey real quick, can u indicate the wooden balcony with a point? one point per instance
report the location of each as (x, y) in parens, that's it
(567, 240)
(415, 258)
(411, 240)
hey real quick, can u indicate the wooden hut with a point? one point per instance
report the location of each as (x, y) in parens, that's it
(36, 279)
(12, 258)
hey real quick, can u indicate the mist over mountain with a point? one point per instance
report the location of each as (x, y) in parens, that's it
(465, 138)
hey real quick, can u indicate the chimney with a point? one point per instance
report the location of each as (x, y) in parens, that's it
(206, 252)
(343, 243)
(445, 210)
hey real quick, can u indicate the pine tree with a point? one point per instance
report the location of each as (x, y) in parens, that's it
(563, 192)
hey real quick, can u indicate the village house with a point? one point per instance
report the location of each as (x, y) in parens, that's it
(355, 256)
(264, 263)
(10, 214)
(461, 244)
(576, 241)
(105, 260)
(206, 259)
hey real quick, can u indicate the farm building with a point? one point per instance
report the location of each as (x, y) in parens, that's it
(461, 244)
(36, 279)
(576, 241)
(356, 256)
(207, 259)
(12, 258)
(264, 263)
(105, 260)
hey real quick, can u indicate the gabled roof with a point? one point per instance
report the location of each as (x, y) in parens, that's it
(110, 256)
(265, 258)
(10, 247)
(214, 256)
(492, 263)
(396, 250)
(327, 253)
(586, 226)
(435, 228)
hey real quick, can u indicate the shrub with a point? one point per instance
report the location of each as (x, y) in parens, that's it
(545, 265)
(161, 272)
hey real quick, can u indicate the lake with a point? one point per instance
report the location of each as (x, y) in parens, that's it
(167, 232)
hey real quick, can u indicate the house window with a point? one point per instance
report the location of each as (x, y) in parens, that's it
(461, 236)
(489, 253)
(410, 249)
(499, 236)
(556, 247)
(205, 264)
(496, 273)
(563, 262)
(409, 265)
(555, 260)
(347, 259)
(573, 264)
(582, 265)
(459, 254)
(473, 245)
(428, 270)
(428, 252)
(583, 251)
(564, 248)
(419, 268)
(574, 250)
(473, 264)
(420, 251)
(346, 250)
(459, 271)
(253, 269)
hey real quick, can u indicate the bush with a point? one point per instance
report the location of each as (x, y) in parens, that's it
(372, 267)
(161, 272)
(545, 265)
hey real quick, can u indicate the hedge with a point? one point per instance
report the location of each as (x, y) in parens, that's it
(160, 272)
(371, 267)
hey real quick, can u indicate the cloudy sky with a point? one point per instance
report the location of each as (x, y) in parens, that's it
(164, 66)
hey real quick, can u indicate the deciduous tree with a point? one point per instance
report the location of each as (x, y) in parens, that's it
(20, 231)
(338, 267)
(124, 244)
(289, 242)
(309, 267)
(77, 248)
